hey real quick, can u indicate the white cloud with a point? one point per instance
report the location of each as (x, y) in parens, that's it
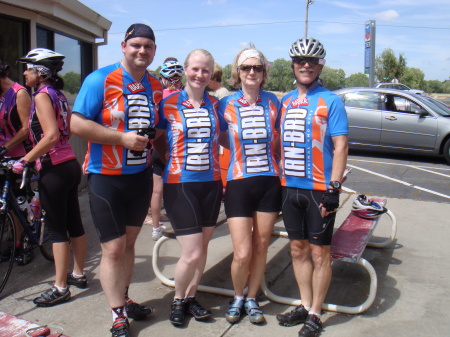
(213, 2)
(389, 15)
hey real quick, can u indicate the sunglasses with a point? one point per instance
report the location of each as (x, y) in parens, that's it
(301, 61)
(258, 68)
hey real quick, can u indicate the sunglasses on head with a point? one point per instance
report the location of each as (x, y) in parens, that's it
(301, 61)
(245, 67)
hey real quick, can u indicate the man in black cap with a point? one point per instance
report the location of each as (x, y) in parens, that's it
(113, 105)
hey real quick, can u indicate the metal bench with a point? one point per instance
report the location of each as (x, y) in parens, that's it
(348, 244)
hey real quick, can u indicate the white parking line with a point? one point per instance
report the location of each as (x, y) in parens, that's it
(400, 181)
(397, 164)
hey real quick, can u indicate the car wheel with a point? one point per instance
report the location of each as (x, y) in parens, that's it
(447, 151)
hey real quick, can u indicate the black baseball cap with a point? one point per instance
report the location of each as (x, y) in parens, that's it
(139, 30)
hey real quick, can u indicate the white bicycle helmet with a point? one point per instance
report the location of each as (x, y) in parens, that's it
(41, 57)
(307, 47)
(366, 208)
(170, 69)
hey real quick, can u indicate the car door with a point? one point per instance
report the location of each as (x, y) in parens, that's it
(364, 117)
(407, 124)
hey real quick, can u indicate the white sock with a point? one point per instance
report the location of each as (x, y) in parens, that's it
(61, 289)
(240, 298)
(308, 308)
(76, 275)
(315, 314)
(250, 299)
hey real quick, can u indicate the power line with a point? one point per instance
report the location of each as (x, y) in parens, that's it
(287, 22)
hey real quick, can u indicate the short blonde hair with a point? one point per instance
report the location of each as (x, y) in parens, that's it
(235, 80)
(203, 52)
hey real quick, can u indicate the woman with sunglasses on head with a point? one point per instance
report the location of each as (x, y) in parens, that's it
(253, 191)
(59, 171)
(192, 181)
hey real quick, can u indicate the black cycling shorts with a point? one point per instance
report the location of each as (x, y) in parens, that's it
(302, 217)
(191, 206)
(118, 201)
(58, 193)
(157, 164)
(245, 196)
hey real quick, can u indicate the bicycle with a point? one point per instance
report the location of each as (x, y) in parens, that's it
(12, 216)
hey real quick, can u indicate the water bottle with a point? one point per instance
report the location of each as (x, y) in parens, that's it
(35, 206)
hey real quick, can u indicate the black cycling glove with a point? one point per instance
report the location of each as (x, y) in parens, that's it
(330, 200)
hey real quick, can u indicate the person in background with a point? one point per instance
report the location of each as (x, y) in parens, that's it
(115, 104)
(253, 192)
(192, 181)
(59, 171)
(215, 84)
(15, 103)
(171, 74)
(314, 149)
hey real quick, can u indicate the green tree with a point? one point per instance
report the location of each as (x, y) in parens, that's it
(357, 80)
(281, 77)
(433, 86)
(414, 78)
(226, 76)
(333, 78)
(72, 82)
(388, 67)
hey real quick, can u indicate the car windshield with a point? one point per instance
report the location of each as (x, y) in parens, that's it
(438, 106)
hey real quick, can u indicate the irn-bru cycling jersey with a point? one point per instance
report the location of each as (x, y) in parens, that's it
(193, 138)
(252, 134)
(10, 122)
(62, 150)
(111, 97)
(306, 130)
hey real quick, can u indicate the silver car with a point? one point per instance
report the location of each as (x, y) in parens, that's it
(400, 86)
(395, 119)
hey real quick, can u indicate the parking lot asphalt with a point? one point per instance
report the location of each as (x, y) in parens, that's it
(411, 299)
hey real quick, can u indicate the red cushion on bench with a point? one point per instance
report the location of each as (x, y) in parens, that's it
(351, 238)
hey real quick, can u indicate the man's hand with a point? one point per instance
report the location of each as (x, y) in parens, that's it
(330, 202)
(19, 166)
(131, 140)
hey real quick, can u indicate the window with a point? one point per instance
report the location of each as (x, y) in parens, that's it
(361, 99)
(13, 45)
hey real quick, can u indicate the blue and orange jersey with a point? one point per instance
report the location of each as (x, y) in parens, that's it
(111, 97)
(193, 138)
(307, 128)
(252, 134)
(10, 122)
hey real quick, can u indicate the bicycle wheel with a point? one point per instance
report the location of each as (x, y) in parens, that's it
(7, 248)
(45, 244)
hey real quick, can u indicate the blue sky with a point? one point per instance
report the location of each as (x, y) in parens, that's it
(419, 29)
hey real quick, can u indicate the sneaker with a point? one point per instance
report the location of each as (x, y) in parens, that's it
(177, 311)
(120, 328)
(195, 309)
(312, 327)
(235, 310)
(158, 232)
(137, 311)
(52, 297)
(79, 282)
(294, 317)
(254, 312)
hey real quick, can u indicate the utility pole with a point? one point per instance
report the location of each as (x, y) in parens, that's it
(308, 2)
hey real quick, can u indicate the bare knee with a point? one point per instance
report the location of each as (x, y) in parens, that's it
(300, 250)
(242, 257)
(321, 256)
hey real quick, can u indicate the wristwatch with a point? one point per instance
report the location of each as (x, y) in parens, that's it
(335, 184)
